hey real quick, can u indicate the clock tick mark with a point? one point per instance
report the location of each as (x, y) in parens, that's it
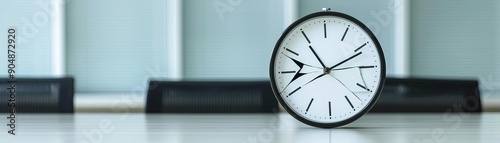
(324, 28)
(290, 94)
(306, 37)
(346, 30)
(330, 109)
(346, 98)
(365, 88)
(285, 72)
(293, 52)
(364, 67)
(359, 48)
(308, 106)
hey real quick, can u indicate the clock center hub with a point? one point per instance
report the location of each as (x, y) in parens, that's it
(326, 70)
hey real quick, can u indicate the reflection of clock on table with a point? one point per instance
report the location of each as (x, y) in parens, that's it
(327, 69)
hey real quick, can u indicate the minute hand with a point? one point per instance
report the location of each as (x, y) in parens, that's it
(353, 56)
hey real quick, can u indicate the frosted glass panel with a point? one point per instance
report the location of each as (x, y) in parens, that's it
(230, 39)
(455, 38)
(116, 45)
(32, 35)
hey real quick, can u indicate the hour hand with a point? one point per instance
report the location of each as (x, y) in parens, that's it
(317, 57)
(321, 75)
(342, 62)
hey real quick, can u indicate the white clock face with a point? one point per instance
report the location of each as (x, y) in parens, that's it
(327, 69)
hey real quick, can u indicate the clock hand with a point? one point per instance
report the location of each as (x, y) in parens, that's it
(321, 75)
(292, 80)
(342, 62)
(317, 57)
(361, 67)
(327, 70)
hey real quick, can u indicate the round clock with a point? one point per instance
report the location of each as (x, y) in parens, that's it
(327, 69)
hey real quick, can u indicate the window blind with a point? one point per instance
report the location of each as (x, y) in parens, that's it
(116, 45)
(230, 39)
(453, 38)
(33, 57)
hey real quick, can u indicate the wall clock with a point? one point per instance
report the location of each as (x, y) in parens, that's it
(327, 69)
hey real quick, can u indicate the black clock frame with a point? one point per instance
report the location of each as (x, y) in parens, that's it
(364, 110)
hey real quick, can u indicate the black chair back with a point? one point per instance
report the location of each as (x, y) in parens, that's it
(38, 95)
(428, 95)
(210, 97)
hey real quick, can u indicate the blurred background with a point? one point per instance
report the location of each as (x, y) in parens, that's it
(113, 47)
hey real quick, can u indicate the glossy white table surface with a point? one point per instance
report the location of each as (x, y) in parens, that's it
(249, 128)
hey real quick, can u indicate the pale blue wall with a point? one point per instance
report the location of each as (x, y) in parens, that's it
(116, 45)
(456, 39)
(235, 44)
(33, 37)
